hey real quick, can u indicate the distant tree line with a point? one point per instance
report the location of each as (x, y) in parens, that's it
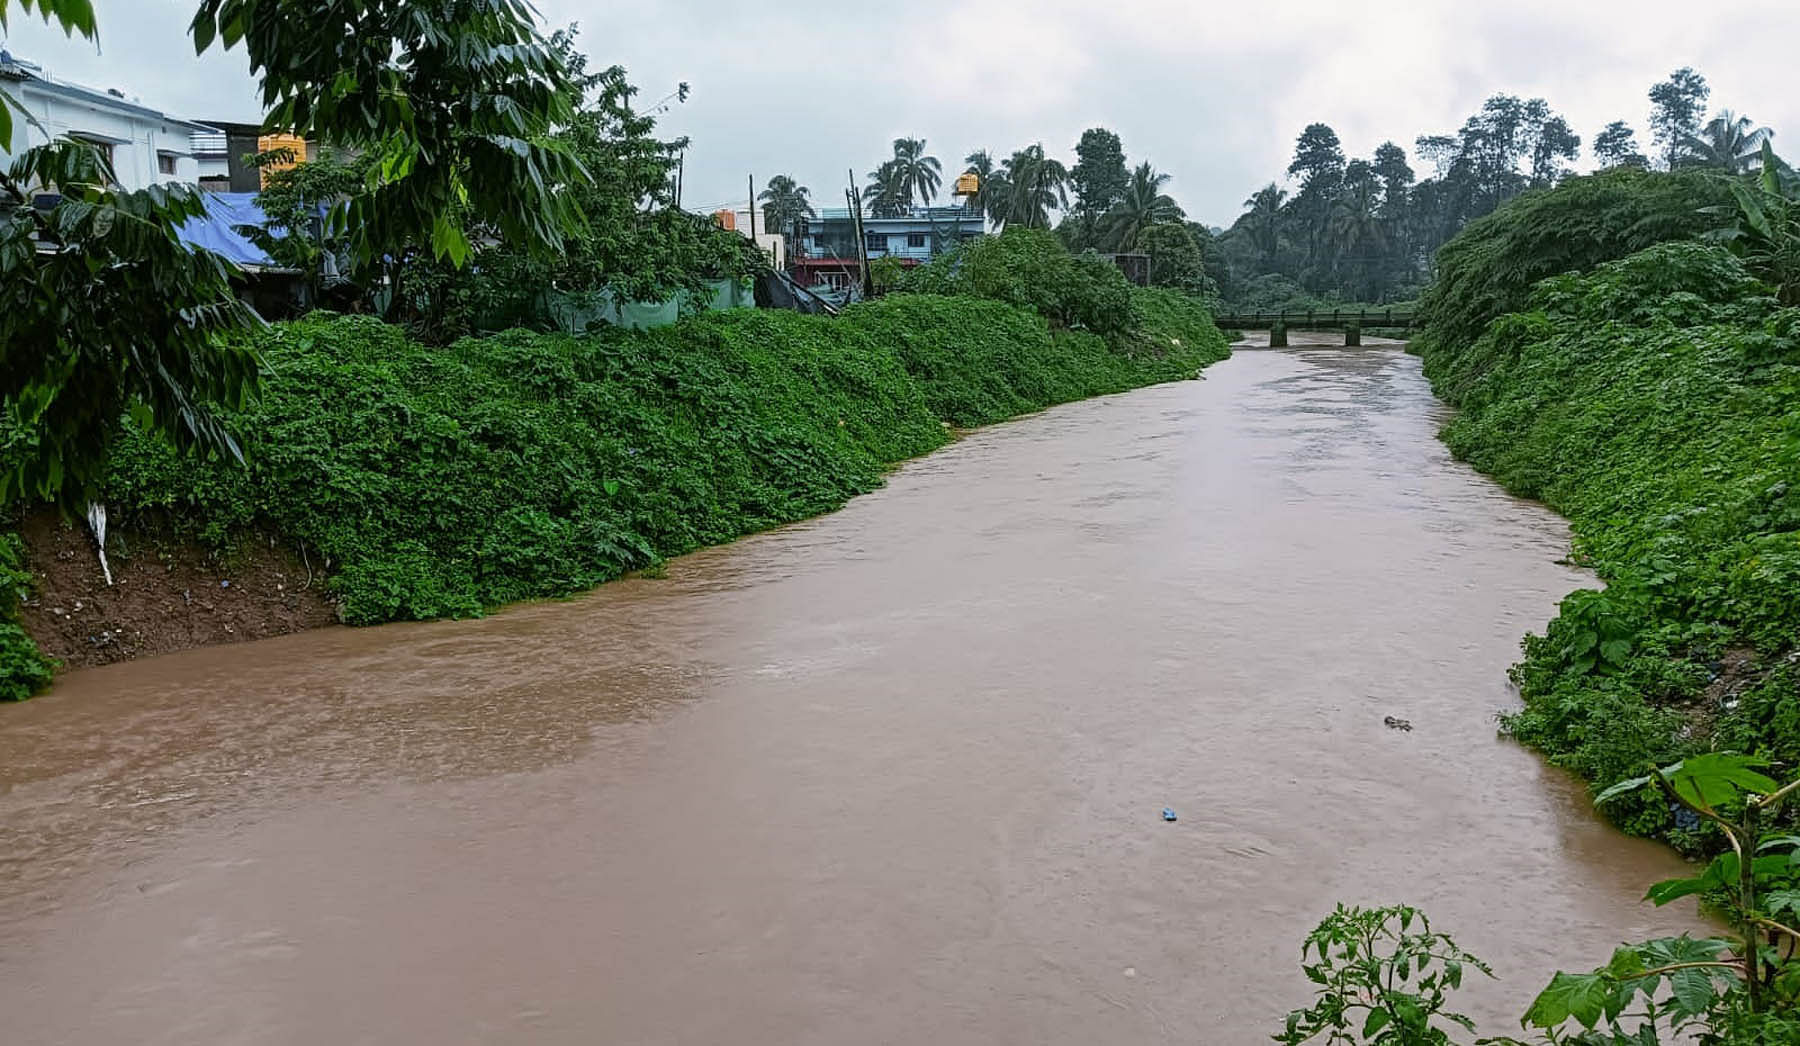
(1355, 229)
(1100, 203)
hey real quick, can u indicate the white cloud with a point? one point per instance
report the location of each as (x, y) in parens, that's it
(1212, 93)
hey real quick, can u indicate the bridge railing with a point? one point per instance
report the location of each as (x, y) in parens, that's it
(1318, 319)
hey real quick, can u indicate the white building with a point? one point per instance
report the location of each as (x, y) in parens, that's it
(145, 146)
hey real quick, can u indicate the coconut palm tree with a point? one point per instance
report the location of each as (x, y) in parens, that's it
(1035, 185)
(1263, 220)
(917, 173)
(1356, 232)
(883, 195)
(785, 204)
(1144, 205)
(990, 186)
(1729, 142)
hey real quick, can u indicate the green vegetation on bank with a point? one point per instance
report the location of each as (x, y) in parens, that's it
(441, 481)
(1655, 401)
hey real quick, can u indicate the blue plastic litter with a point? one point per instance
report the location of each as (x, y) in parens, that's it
(1168, 814)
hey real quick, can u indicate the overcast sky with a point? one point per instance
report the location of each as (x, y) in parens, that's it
(1211, 92)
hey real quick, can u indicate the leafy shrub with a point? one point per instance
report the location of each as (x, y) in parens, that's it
(442, 481)
(1490, 268)
(1032, 268)
(24, 670)
(1653, 401)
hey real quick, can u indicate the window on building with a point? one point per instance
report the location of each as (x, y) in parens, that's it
(915, 239)
(877, 241)
(165, 163)
(101, 146)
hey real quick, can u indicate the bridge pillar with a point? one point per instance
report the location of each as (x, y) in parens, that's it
(1278, 336)
(1353, 334)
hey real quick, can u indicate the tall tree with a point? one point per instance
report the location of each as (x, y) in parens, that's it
(1318, 157)
(1354, 230)
(1099, 179)
(1319, 164)
(1176, 258)
(785, 203)
(988, 193)
(1550, 144)
(1616, 146)
(1729, 142)
(1262, 221)
(1144, 206)
(918, 173)
(1389, 164)
(1678, 104)
(1036, 184)
(884, 195)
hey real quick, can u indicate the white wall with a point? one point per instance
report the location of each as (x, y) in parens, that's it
(136, 136)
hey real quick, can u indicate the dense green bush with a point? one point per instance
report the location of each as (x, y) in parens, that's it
(1656, 403)
(1490, 268)
(442, 481)
(1032, 268)
(980, 361)
(24, 670)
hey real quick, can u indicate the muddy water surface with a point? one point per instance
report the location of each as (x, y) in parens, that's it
(894, 775)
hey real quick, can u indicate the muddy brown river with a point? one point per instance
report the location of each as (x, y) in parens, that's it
(894, 775)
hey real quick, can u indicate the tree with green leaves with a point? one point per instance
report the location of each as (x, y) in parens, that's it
(785, 204)
(1177, 258)
(1678, 105)
(1355, 231)
(454, 101)
(1099, 180)
(105, 312)
(1143, 206)
(1730, 142)
(1262, 221)
(1389, 164)
(988, 192)
(919, 173)
(910, 174)
(1035, 184)
(457, 101)
(1318, 158)
(882, 195)
(1616, 146)
(637, 246)
(295, 200)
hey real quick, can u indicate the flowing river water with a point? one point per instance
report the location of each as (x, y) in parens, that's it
(893, 775)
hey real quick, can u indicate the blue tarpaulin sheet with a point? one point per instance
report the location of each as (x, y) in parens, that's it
(217, 231)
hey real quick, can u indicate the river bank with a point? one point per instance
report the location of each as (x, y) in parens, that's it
(389, 480)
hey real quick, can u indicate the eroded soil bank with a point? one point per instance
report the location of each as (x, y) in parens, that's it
(166, 595)
(892, 775)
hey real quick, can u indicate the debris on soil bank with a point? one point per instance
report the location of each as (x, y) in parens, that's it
(166, 595)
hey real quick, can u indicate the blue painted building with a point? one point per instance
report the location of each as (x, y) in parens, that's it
(826, 252)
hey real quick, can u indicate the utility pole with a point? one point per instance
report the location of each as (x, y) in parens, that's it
(753, 208)
(862, 237)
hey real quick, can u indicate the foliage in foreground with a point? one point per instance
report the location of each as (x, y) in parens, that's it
(1384, 983)
(440, 482)
(1656, 403)
(103, 311)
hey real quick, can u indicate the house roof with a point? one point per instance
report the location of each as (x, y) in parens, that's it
(20, 71)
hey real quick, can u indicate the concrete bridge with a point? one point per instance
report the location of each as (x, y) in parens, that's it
(1350, 321)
